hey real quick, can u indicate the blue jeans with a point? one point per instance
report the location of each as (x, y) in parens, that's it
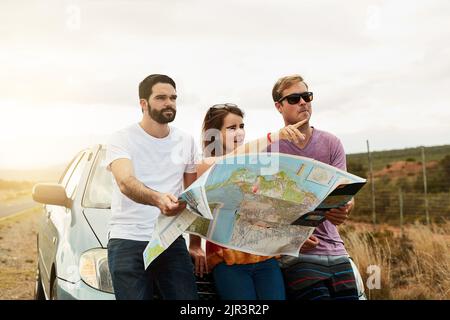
(171, 274)
(255, 281)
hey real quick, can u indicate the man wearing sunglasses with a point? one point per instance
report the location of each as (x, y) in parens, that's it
(323, 269)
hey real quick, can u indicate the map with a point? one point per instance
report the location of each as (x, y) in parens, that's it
(240, 204)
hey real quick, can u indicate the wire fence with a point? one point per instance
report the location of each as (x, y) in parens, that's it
(402, 189)
(390, 205)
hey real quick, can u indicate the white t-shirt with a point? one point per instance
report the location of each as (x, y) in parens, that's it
(159, 164)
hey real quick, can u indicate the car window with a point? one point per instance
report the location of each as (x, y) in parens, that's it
(69, 170)
(99, 187)
(74, 179)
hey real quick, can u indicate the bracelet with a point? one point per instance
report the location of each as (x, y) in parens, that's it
(268, 137)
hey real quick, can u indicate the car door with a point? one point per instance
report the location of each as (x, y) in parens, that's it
(52, 228)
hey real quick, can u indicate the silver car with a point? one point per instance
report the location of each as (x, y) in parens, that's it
(72, 236)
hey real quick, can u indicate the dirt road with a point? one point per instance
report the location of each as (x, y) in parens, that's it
(18, 254)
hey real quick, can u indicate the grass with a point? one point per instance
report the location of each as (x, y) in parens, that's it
(12, 190)
(9, 196)
(15, 185)
(413, 265)
(18, 254)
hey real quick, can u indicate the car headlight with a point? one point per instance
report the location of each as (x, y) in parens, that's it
(94, 270)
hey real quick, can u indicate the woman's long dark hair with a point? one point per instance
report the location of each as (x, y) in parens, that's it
(214, 120)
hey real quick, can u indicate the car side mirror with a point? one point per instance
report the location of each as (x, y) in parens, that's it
(51, 193)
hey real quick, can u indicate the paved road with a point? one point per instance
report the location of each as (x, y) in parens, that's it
(17, 206)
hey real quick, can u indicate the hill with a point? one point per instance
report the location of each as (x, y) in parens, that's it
(380, 159)
(399, 185)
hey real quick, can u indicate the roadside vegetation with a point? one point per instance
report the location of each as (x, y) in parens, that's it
(413, 264)
(12, 190)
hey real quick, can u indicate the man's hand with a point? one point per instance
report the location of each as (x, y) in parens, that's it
(198, 255)
(290, 132)
(169, 204)
(338, 216)
(309, 244)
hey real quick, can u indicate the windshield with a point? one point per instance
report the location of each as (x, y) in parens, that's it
(99, 188)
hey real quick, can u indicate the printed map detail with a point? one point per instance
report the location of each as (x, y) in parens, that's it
(239, 206)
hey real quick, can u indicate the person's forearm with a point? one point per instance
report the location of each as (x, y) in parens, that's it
(194, 241)
(290, 132)
(258, 145)
(138, 192)
(188, 179)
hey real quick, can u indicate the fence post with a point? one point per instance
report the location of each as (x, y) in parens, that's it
(424, 170)
(374, 220)
(400, 200)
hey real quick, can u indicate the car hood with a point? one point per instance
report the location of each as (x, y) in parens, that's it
(98, 220)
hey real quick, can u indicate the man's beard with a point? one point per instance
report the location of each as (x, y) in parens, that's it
(159, 116)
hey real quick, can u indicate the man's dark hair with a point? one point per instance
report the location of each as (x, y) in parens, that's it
(145, 87)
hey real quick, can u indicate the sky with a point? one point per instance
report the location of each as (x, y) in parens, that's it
(69, 70)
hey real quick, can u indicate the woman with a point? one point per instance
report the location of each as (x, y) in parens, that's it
(237, 275)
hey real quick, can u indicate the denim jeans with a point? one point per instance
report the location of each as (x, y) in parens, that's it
(170, 275)
(255, 281)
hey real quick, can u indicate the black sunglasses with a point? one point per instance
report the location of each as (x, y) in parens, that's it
(295, 97)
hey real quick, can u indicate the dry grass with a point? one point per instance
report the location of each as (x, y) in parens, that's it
(14, 190)
(414, 265)
(18, 254)
(11, 195)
